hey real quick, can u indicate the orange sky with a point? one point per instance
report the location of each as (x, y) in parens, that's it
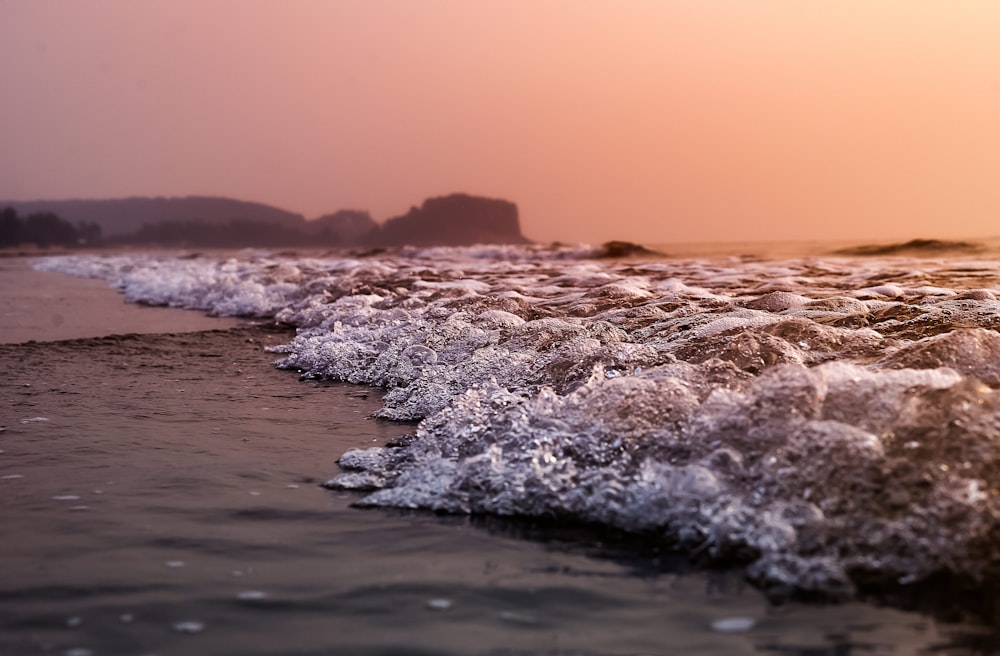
(656, 121)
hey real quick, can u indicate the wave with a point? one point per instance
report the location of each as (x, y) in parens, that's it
(828, 423)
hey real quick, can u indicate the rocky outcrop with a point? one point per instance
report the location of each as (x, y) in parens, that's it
(914, 247)
(455, 220)
(611, 249)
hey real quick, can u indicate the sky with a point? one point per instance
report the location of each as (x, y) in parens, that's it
(654, 121)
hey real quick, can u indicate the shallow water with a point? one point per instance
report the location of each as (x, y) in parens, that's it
(47, 306)
(159, 496)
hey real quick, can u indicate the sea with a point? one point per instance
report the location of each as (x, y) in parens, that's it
(532, 449)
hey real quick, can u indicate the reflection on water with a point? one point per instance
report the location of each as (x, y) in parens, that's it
(159, 496)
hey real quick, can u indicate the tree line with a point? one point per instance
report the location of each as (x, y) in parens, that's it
(45, 229)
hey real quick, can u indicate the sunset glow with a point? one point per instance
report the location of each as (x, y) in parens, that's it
(653, 121)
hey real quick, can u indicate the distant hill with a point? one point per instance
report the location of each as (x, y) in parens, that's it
(344, 228)
(201, 222)
(455, 220)
(123, 216)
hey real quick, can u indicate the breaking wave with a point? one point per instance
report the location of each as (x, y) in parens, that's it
(824, 421)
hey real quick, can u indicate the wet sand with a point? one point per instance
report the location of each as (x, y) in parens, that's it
(47, 306)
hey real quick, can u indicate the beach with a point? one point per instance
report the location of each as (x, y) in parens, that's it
(159, 484)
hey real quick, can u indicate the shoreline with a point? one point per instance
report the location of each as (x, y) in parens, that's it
(45, 306)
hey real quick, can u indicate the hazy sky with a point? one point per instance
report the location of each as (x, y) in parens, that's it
(666, 120)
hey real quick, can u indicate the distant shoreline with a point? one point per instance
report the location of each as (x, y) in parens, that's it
(457, 219)
(615, 248)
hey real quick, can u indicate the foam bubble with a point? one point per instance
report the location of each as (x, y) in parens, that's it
(733, 624)
(251, 595)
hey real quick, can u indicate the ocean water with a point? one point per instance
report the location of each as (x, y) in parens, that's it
(825, 424)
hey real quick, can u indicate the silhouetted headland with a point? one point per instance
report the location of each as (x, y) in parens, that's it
(454, 220)
(210, 222)
(913, 247)
(616, 248)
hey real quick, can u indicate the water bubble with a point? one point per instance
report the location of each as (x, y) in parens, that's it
(174, 563)
(420, 355)
(517, 618)
(78, 651)
(126, 618)
(251, 595)
(733, 624)
(66, 497)
(189, 626)
(439, 604)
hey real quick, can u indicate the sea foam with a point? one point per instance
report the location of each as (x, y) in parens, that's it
(820, 420)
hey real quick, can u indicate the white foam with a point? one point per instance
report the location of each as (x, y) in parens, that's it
(251, 595)
(733, 624)
(810, 415)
